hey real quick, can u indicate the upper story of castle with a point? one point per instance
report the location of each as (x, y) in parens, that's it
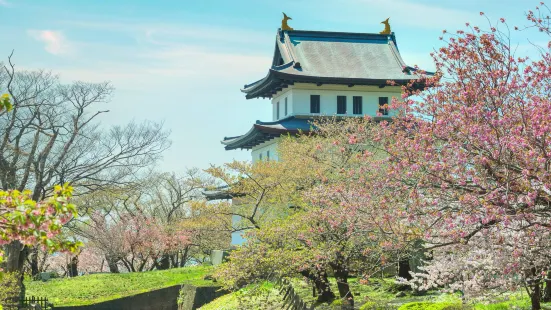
(320, 73)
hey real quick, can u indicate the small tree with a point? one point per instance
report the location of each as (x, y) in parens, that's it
(34, 223)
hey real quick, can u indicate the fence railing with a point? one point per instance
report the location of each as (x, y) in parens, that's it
(291, 300)
(35, 303)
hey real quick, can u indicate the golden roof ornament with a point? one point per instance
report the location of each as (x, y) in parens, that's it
(387, 27)
(284, 25)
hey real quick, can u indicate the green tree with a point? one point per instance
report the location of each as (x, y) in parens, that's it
(330, 227)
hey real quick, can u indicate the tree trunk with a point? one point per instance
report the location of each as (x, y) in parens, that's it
(15, 256)
(183, 260)
(535, 296)
(164, 263)
(547, 290)
(174, 260)
(341, 275)
(128, 265)
(321, 285)
(34, 262)
(22, 285)
(112, 264)
(404, 269)
(72, 267)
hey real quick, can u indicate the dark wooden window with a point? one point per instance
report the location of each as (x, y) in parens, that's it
(314, 103)
(285, 106)
(267, 155)
(383, 105)
(260, 156)
(277, 110)
(357, 105)
(341, 104)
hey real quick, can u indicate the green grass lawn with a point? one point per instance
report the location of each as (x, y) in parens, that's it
(90, 289)
(380, 294)
(253, 297)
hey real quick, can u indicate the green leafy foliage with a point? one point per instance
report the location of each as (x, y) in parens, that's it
(36, 223)
(91, 289)
(5, 103)
(8, 287)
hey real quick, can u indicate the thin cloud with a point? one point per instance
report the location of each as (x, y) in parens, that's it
(5, 3)
(173, 34)
(55, 42)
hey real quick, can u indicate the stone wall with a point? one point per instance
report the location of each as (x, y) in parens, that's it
(163, 299)
(194, 297)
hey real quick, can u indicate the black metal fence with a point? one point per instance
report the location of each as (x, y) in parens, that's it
(33, 303)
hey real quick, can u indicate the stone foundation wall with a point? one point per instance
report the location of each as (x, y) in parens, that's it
(194, 297)
(164, 299)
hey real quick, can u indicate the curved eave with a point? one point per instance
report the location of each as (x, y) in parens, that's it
(276, 80)
(260, 133)
(219, 194)
(265, 85)
(257, 137)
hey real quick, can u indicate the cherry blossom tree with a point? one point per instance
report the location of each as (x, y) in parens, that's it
(34, 223)
(132, 240)
(90, 260)
(467, 160)
(156, 222)
(500, 259)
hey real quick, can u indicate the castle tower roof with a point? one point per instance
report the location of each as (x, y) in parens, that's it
(332, 58)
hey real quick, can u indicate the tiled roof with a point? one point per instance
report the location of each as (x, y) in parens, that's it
(332, 58)
(265, 131)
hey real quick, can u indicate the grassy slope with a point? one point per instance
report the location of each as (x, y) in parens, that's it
(377, 295)
(252, 297)
(90, 289)
(375, 292)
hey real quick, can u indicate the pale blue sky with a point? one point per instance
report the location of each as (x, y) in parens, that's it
(184, 62)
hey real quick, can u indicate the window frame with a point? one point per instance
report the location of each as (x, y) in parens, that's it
(341, 105)
(357, 105)
(383, 111)
(315, 105)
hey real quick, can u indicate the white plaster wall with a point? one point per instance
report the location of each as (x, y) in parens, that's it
(298, 101)
(299, 98)
(281, 98)
(263, 148)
